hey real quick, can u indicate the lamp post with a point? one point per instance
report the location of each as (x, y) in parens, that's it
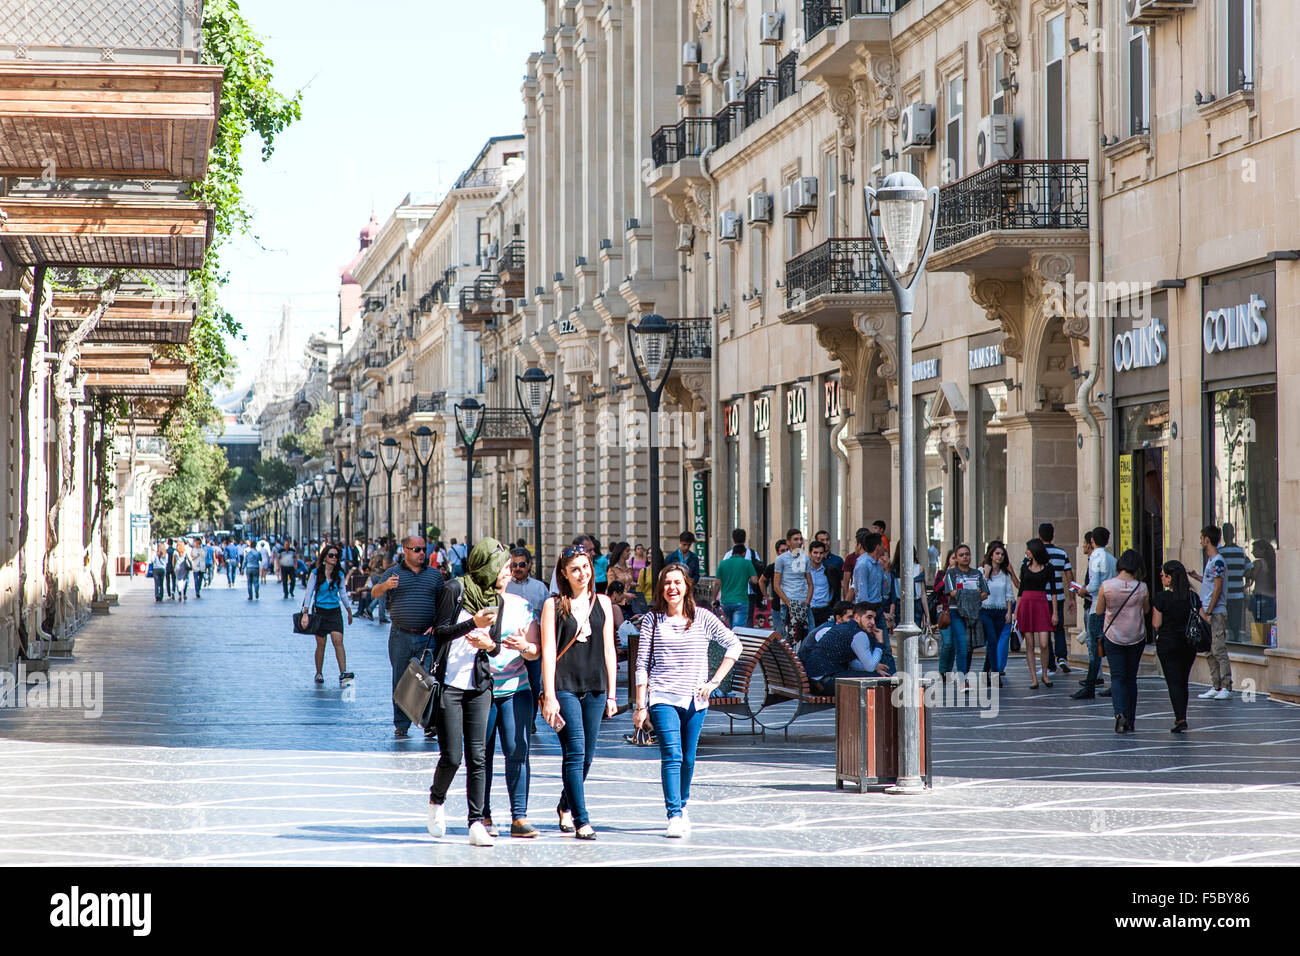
(901, 200)
(296, 494)
(368, 463)
(534, 390)
(318, 486)
(331, 486)
(469, 422)
(346, 471)
(423, 440)
(390, 451)
(653, 344)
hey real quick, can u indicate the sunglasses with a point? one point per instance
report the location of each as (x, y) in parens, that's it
(518, 564)
(412, 548)
(572, 552)
(332, 554)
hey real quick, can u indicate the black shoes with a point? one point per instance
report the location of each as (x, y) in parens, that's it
(400, 733)
(1104, 693)
(1179, 728)
(1122, 725)
(1083, 693)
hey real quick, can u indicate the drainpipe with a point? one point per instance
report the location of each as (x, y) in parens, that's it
(721, 16)
(714, 385)
(1093, 370)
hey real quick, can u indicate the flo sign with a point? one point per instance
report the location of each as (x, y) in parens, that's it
(1237, 327)
(1141, 347)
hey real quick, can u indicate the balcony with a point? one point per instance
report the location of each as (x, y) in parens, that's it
(510, 271)
(694, 344)
(106, 233)
(994, 218)
(480, 179)
(760, 98)
(479, 306)
(426, 408)
(376, 365)
(159, 32)
(131, 319)
(164, 379)
(676, 150)
(392, 421)
(504, 430)
(728, 124)
(829, 283)
(787, 83)
(838, 32)
(371, 423)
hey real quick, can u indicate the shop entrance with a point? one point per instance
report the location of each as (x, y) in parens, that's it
(1143, 486)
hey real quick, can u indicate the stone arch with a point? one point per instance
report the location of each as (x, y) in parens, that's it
(1048, 358)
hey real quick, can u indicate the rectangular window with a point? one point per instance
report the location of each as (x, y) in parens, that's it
(997, 72)
(831, 178)
(1054, 93)
(733, 482)
(792, 237)
(1240, 52)
(798, 500)
(952, 169)
(758, 261)
(725, 272)
(1138, 73)
(991, 463)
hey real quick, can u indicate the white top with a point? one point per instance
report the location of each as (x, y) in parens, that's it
(681, 657)
(1001, 590)
(460, 658)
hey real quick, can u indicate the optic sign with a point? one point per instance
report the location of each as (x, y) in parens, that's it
(762, 414)
(1237, 328)
(796, 406)
(986, 357)
(1141, 347)
(929, 368)
(832, 393)
(731, 420)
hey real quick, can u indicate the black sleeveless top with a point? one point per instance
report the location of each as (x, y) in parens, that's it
(582, 668)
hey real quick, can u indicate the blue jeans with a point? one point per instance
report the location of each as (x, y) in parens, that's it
(994, 621)
(1095, 622)
(157, 585)
(510, 720)
(735, 614)
(231, 569)
(198, 582)
(402, 646)
(679, 734)
(254, 579)
(582, 717)
(382, 605)
(1124, 660)
(778, 620)
(954, 650)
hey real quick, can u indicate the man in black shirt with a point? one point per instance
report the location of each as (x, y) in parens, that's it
(412, 588)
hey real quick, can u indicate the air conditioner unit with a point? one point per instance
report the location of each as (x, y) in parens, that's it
(690, 54)
(759, 207)
(996, 141)
(491, 250)
(407, 377)
(800, 197)
(733, 90)
(771, 26)
(685, 237)
(729, 227)
(1152, 11)
(490, 373)
(916, 127)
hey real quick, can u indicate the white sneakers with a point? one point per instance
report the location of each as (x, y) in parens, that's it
(437, 821)
(1224, 694)
(679, 827)
(479, 836)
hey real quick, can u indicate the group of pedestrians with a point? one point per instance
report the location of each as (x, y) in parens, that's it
(176, 560)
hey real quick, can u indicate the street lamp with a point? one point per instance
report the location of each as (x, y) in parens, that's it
(390, 450)
(318, 486)
(331, 486)
(296, 494)
(901, 200)
(469, 422)
(368, 463)
(653, 347)
(534, 390)
(423, 440)
(347, 470)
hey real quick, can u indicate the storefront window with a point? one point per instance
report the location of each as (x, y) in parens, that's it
(1243, 443)
(991, 462)
(733, 484)
(935, 484)
(798, 502)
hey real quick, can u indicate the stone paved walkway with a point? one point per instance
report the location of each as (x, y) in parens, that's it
(214, 746)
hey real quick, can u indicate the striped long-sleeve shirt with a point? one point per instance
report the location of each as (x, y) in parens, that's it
(681, 657)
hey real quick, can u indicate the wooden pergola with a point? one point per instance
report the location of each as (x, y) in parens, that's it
(130, 319)
(163, 379)
(70, 120)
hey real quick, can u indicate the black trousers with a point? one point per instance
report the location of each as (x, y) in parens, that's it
(462, 734)
(1176, 660)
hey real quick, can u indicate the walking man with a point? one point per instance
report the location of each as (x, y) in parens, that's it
(1101, 568)
(735, 572)
(199, 565)
(1062, 577)
(231, 552)
(1214, 611)
(755, 588)
(171, 569)
(1237, 564)
(825, 589)
(686, 555)
(253, 571)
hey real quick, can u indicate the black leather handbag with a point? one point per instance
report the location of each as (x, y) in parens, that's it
(313, 621)
(418, 692)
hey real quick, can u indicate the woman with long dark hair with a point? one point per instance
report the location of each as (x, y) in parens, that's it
(1124, 602)
(324, 593)
(578, 678)
(467, 608)
(997, 608)
(1035, 613)
(673, 685)
(1170, 610)
(622, 579)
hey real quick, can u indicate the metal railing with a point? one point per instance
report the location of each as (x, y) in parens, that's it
(425, 403)
(694, 338)
(786, 83)
(760, 97)
(376, 359)
(479, 178)
(836, 267)
(820, 14)
(512, 257)
(138, 31)
(689, 136)
(728, 123)
(1015, 194)
(504, 423)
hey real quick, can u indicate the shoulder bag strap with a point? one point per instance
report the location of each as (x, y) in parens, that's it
(555, 610)
(1118, 609)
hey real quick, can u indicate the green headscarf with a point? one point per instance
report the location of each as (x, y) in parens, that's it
(480, 581)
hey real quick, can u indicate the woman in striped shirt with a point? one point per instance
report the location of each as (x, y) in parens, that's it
(672, 665)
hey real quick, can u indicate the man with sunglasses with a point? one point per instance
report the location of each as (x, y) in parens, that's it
(412, 589)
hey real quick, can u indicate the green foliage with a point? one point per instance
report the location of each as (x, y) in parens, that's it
(276, 476)
(310, 442)
(198, 487)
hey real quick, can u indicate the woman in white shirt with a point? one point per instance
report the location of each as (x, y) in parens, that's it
(996, 609)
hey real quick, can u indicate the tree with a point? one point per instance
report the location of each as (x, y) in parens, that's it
(310, 442)
(197, 488)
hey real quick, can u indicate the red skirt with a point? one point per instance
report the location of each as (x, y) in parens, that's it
(1034, 613)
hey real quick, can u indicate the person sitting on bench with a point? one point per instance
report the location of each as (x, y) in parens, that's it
(852, 648)
(841, 611)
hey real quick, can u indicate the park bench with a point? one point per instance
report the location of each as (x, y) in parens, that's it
(768, 686)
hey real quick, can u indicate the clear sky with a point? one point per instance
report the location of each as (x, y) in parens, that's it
(398, 97)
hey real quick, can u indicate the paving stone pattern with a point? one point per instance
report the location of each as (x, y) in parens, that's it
(215, 747)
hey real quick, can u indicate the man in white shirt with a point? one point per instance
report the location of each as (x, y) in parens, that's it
(793, 584)
(1101, 568)
(199, 565)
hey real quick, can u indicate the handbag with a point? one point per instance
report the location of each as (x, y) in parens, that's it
(1198, 631)
(644, 736)
(313, 616)
(418, 692)
(929, 646)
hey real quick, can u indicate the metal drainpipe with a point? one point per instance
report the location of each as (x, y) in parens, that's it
(1093, 369)
(714, 393)
(722, 16)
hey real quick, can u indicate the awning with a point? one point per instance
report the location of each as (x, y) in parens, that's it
(106, 233)
(164, 379)
(130, 319)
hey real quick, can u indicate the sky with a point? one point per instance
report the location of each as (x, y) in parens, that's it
(398, 97)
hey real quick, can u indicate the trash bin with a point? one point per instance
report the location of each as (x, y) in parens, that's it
(867, 731)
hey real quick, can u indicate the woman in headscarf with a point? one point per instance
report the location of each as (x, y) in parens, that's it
(465, 638)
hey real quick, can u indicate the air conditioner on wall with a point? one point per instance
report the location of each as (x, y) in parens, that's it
(771, 27)
(685, 237)
(690, 54)
(1152, 11)
(996, 141)
(916, 127)
(733, 90)
(759, 207)
(800, 197)
(729, 227)
(490, 373)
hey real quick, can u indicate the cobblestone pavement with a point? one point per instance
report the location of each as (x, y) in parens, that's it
(214, 746)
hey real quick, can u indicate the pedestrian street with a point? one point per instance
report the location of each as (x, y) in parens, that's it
(215, 747)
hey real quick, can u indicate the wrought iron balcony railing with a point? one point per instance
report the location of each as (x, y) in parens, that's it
(376, 359)
(836, 267)
(479, 178)
(786, 83)
(1016, 194)
(728, 123)
(760, 97)
(504, 423)
(141, 31)
(426, 403)
(512, 257)
(820, 14)
(694, 338)
(689, 136)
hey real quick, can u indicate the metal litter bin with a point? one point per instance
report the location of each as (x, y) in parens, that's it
(867, 733)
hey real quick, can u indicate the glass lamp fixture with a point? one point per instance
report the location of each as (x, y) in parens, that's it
(469, 420)
(423, 438)
(902, 210)
(367, 462)
(652, 339)
(389, 451)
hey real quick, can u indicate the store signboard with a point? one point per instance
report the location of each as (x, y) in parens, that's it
(1237, 340)
(986, 362)
(700, 515)
(1125, 502)
(1140, 350)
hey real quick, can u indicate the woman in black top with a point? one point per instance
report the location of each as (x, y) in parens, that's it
(578, 681)
(1170, 610)
(1035, 614)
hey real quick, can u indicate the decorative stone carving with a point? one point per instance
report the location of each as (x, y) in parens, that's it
(843, 346)
(1045, 282)
(989, 294)
(701, 208)
(879, 330)
(843, 101)
(882, 72)
(700, 9)
(1004, 13)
